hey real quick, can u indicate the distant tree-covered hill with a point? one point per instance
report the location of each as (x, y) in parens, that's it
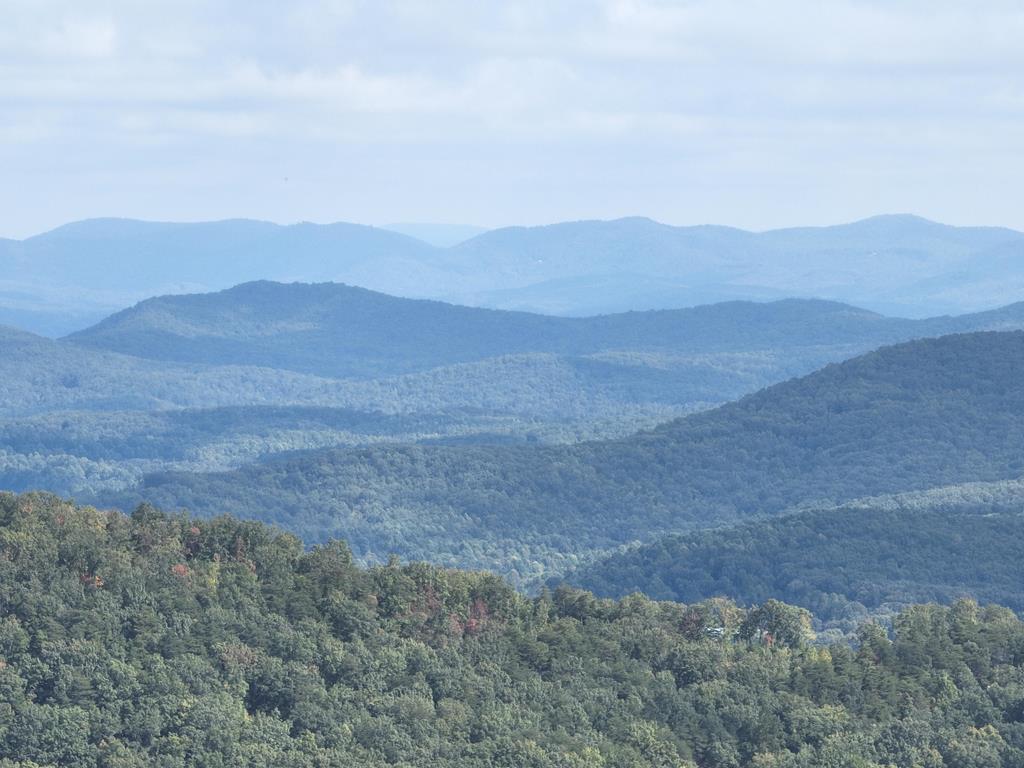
(930, 546)
(101, 265)
(912, 416)
(340, 331)
(172, 641)
(40, 375)
(43, 376)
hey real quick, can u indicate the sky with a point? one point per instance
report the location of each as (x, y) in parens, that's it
(753, 114)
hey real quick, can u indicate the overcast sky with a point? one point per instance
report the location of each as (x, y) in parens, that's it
(756, 114)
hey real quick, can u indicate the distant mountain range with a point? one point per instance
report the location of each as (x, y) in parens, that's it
(908, 417)
(64, 280)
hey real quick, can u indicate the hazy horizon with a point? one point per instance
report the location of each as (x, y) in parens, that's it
(757, 116)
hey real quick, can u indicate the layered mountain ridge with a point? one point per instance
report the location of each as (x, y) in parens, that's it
(904, 265)
(908, 417)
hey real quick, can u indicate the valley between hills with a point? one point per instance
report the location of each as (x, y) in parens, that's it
(306, 523)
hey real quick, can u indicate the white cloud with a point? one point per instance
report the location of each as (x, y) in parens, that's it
(408, 96)
(78, 38)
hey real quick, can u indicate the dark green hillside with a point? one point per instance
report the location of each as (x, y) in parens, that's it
(912, 416)
(42, 376)
(608, 366)
(602, 377)
(176, 433)
(62, 390)
(157, 640)
(85, 453)
(339, 331)
(39, 375)
(326, 328)
(934, 546)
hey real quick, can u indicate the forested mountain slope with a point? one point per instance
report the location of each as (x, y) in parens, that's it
(930, 546)
(43, 376)
(326, 328)
(170, 641)
(92, 452)
(340, 331)
(56, 392)
(912, 416)
(580, 379)
(39, 375)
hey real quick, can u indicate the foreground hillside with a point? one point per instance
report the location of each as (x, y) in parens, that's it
(169, 641)
(912, 416)
(841, 563)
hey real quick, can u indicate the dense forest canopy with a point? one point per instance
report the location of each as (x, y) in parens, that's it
(908, 417)
(179, 640)
(867, 557)
(452, 374)
(173, 641)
